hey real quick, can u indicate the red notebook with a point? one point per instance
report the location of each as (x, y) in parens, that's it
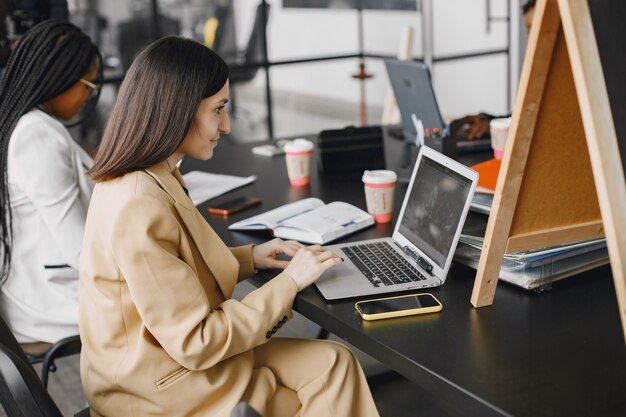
(487, 175)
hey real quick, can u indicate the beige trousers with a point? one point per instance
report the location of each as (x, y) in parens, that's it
(308, 378)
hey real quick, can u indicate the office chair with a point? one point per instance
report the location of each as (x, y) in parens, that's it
(137, 33)
(33, 353)
(219, 30)
(65, 347)
(252, 54)
(8, 340)
(22, 394)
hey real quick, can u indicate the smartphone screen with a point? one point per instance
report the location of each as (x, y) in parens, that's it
(234, 205)
(398, 304)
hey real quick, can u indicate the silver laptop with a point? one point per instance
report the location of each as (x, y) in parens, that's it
(419, 253)
(414, 94)
(413, 89)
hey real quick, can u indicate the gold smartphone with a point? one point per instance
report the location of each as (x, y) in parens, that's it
(403, 305)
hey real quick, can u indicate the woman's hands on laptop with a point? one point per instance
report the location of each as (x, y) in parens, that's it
(266, 255)
(309, 263)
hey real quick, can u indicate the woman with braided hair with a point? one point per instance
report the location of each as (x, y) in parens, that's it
(44, 192)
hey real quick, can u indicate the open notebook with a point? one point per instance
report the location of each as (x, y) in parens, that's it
(309, 221)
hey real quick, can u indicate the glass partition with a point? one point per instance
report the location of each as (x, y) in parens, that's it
(297, 75)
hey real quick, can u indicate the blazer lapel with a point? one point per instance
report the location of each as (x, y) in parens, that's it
(218, 258)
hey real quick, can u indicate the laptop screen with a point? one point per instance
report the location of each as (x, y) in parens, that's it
(414, 94)
(434, 209)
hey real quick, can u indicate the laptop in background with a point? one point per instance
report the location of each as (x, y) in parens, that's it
(413, 89)
(419, 253)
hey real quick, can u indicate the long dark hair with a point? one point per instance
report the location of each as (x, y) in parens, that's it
(156, 105)
(49, 60)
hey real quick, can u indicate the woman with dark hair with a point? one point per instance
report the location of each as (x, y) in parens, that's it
(44, 192)
(161, 334)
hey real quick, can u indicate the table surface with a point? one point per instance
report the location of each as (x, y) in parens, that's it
(556, 353)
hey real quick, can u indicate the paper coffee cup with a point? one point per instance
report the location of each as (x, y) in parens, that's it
(298, 155)
(499, 131)
(379, 187)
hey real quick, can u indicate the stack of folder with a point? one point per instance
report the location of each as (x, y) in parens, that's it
(537, 269)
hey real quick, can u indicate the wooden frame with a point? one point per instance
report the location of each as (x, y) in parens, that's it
(562, 150)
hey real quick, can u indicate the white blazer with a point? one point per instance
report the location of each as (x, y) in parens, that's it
(49, 195)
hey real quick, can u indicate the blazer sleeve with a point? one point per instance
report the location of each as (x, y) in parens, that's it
(41, 165)
(246, 262)
(171, 300)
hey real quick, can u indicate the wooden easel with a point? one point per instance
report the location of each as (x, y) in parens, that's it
(562, 155)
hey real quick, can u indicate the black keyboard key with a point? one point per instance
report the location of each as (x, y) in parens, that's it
(385, 280)
(357, 262)
(381, 264)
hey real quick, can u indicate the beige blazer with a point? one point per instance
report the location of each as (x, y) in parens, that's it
(161, 335)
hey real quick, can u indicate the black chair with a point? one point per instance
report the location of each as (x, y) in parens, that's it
(224, 37)
(46, 353)
(243, 68)
(137, 33)
(65, 347)
(22, 394)
(8, 340)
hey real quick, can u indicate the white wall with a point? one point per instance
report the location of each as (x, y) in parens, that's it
(465, 86)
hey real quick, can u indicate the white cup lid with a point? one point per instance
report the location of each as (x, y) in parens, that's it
(379, 176)
(501, 123)
(299, 145)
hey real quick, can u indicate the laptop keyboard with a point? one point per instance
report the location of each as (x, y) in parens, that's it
(381, 264)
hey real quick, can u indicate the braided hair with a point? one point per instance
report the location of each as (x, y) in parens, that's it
(50, 59)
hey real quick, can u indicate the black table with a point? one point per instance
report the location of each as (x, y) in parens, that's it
(556, 353)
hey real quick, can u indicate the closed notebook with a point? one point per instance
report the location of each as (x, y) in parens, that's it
(309, 221)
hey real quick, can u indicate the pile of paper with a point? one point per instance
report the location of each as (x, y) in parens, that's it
(536, 269)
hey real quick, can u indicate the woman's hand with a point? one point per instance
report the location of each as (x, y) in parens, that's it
(265, 254)
(308, 264)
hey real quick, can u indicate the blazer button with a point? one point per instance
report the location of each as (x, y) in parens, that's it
(279, 324)
(268, 334)
(274, 329)
(284, 320)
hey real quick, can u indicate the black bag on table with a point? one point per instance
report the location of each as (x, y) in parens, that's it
(351, 149)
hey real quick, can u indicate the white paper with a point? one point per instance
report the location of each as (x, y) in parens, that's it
(203, 186)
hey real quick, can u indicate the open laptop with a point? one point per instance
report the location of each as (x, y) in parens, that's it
(414, 94)
(419, 253)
